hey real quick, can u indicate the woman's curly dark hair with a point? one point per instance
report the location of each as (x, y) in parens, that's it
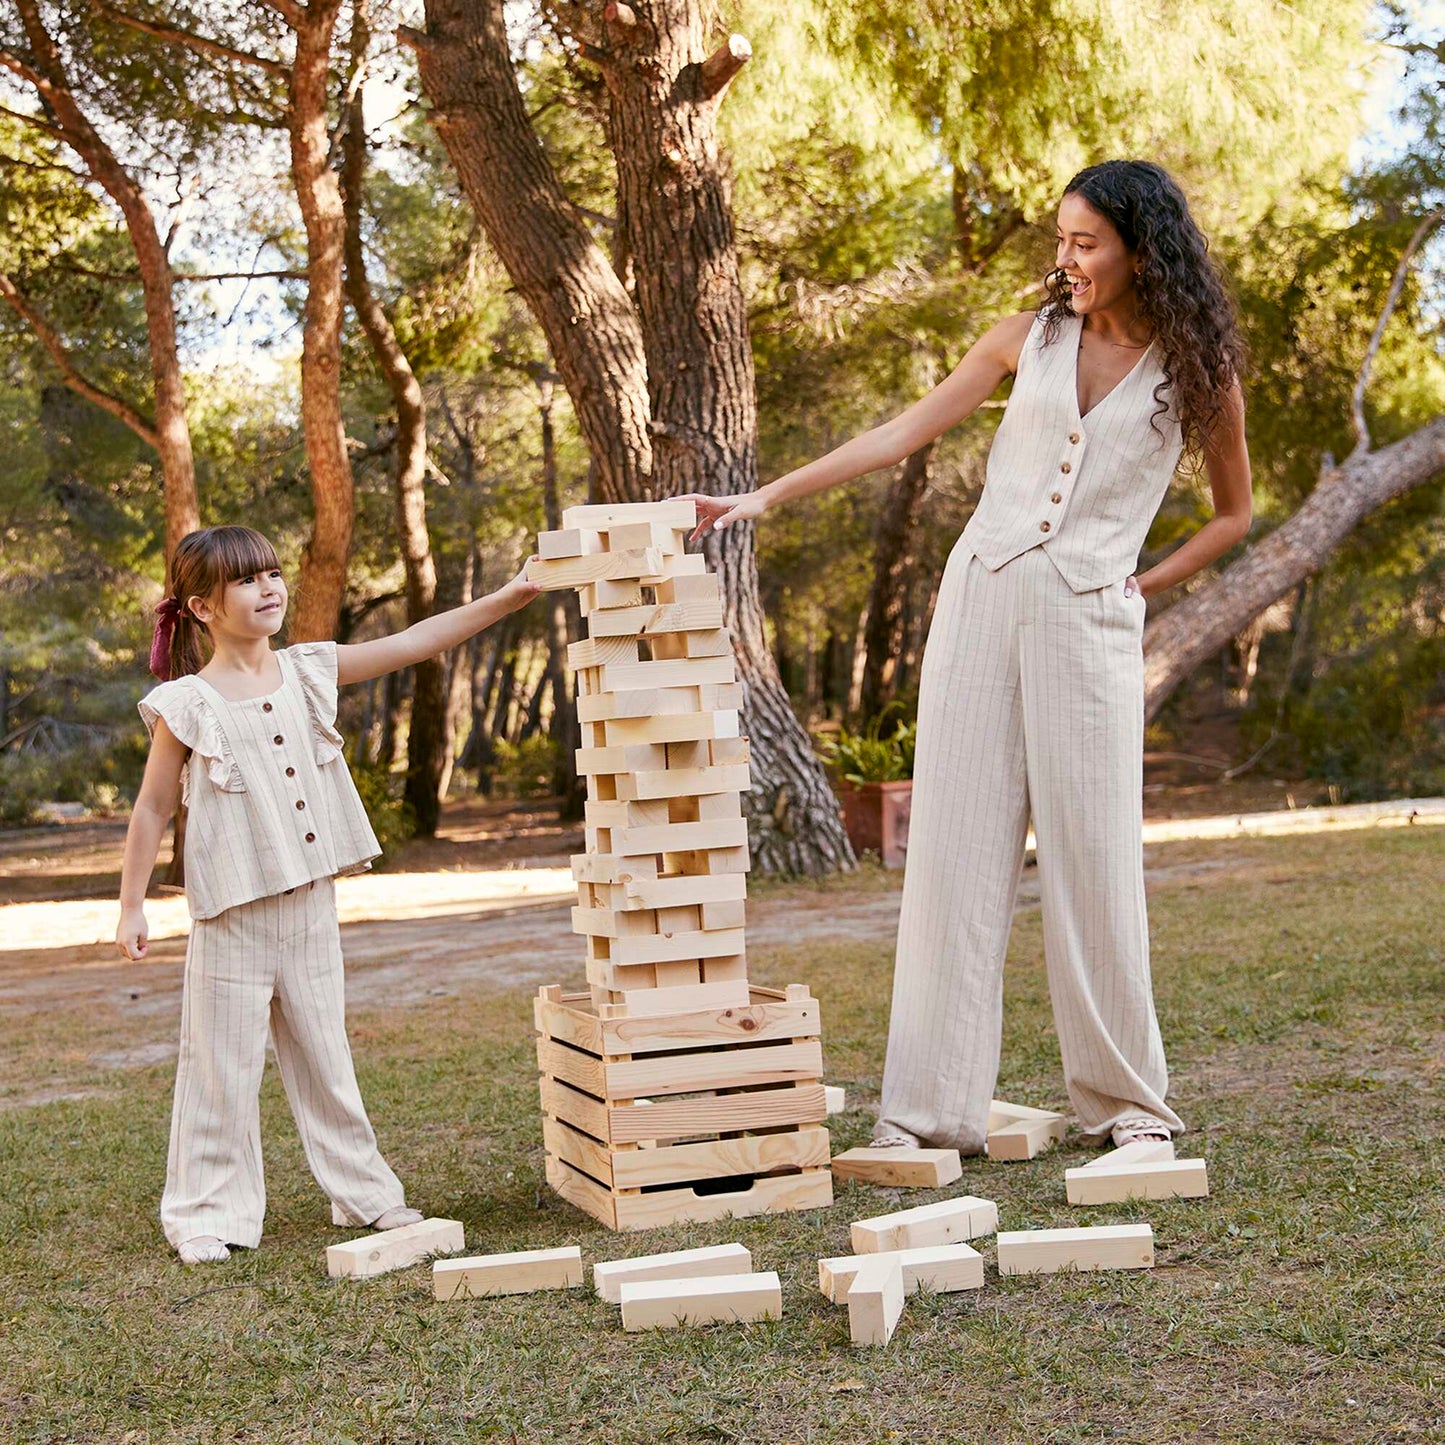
(1181, 292)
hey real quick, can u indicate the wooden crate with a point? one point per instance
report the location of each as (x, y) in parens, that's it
(684, 1117)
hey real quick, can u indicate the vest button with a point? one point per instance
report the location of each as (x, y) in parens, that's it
(265, 707)
(278, 740)
(290, 772)
(1074, 437)
(311, 837)
(1043, 526)
(1065, 467)
(1057, 497)
(300, 803)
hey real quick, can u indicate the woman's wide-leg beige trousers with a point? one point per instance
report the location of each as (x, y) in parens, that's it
(1031, 704)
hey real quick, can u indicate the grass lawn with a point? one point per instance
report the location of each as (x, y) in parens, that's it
(1299, 983)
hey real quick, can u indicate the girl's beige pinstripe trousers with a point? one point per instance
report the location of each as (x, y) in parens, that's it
(1031, 702)
(276, 960)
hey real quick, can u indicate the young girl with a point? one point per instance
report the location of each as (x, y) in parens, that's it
(249, 738)
(1031, 700)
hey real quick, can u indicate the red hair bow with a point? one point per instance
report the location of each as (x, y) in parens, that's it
(167, 613)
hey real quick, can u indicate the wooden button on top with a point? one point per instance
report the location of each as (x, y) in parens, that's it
(1065, 467)
(265, 707)
(278, 740)
(1043, 526)
(1057, 497)
(300, 803)
(290, 772)
(1074, 437)
(311, 837)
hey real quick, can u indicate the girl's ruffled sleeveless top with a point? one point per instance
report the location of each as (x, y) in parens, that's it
(271, 801)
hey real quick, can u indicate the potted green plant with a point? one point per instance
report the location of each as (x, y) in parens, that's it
(876, 783)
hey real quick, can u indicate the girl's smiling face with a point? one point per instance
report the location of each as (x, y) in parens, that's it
(251, 606)
(1100, 267)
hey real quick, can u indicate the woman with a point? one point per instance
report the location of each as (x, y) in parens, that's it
(1031, 699)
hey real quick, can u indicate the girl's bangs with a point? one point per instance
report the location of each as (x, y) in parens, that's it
(243, 552)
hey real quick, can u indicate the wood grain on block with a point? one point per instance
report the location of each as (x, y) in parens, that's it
(717, 916)
(711, 1299)
(711, 1261)
(599, 651)
(629, 536)
(519, 1273)
(615, 813)
(597, 567)
(1001, 1113)
(623, 731)
(680, 837)
(720, 1158)
(601, 517)
(658, 619)
(573, 542)
(1101, 1246)
(679, 588)
(674, 672)
(608, 868)
(940, 1268)
(1026, 1139)
(715, 643)
(837, 1098)
(677, 947)
(610, 592)
(685, 888)
(684, 782)
(950, 1221)
(875, 1300)
(643, 1000)
(753, 1023)
(904, 1168)
(759, 1109)
(640, 703)
(1162, 1179)
(723, 1069)
(1141, 1151)
(390, 1249)
(641, 756)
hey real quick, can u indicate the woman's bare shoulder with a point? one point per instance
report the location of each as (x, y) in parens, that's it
(1005, 338)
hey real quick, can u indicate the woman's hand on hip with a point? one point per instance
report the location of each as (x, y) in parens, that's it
(719, 512)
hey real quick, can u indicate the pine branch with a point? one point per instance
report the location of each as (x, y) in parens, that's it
(191, 39)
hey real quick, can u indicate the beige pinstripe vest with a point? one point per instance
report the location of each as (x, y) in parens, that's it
(1083, 488)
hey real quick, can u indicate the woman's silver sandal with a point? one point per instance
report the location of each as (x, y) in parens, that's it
(1138, 1129)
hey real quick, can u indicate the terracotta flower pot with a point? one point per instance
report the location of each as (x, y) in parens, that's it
(876, 817)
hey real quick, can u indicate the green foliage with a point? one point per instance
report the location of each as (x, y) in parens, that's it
(526, 769)
(393, 819)
(871, 756)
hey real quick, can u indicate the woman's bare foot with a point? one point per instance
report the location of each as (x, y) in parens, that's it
(203, 1249)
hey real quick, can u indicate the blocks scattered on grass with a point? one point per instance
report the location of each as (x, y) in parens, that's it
(950, 1221)
(1099, 1247)
(875, 1300)
(721, 1259)
(902, 1168)
(941, 1268)
(1026, 1138)
(520, 1273)
(1159, 1179)
(1142, 1151)
(674, 1303)
(837, 1098)
(392, 1249)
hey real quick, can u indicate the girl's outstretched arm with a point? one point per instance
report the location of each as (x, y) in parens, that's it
(155, 805)
(358, 661)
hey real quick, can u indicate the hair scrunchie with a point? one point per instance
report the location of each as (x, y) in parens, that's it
(168, 612)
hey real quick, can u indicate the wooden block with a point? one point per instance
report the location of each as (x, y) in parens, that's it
(732, 914)
(676, 947)
(947, 1222)
(602, 517)
(685, 782)
(1001, 1114)
(642, 703)
(615, 813)
(905, 1168)
(598, 567)
(686, 888)
(598, 651)
(941, 1268)
(390, 1249)
(631, 535)
(875, 1300)
(644, 756)
(622, 732)
(644, 1001)
(677, 672)
(682, 588)
(608, 868)
(715, 643)
(837, 1098)
(658, 619)
(1141, 1151)
(1026, 1138)
(711, 1261)
(1104, 1246)
(519, 1273)
(610, 592)
(680, 837)
(574, 542)
(669, 1303)
(1162, 1179)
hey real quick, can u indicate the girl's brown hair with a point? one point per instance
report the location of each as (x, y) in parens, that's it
(204, 562)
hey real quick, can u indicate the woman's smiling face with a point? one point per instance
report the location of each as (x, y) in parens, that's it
(1100, 267)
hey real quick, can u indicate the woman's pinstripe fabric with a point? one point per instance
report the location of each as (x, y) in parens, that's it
(273, 962)
(1031, 705)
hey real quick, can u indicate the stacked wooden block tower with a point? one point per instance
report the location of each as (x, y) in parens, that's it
(674, 1089)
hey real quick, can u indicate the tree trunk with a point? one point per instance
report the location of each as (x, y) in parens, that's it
(679, 406)
(318, 195)
(426, 745)
(892, 570)
(169, 430)
(1198, 626)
